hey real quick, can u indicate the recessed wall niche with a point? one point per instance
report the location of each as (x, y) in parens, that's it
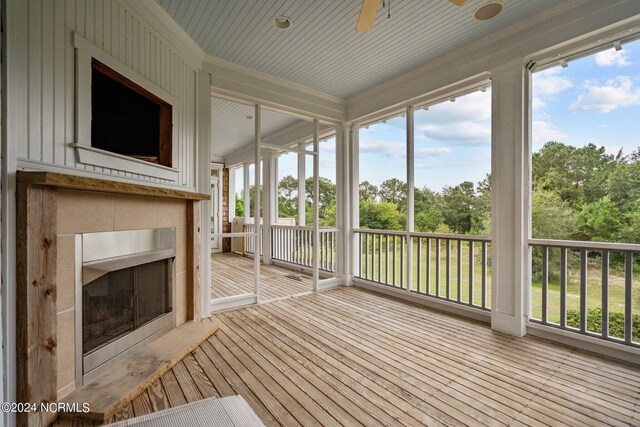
(127, 119)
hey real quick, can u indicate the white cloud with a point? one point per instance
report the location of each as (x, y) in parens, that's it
(548, 82)
(544, 130)
(424, 152)
(398, 149)
(461, 133)
(612, 58)
(463, 122)
(395, 149)
(616, 93)
(537, 103)
(471, 107)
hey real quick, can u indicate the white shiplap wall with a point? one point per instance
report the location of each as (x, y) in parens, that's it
(47, 83)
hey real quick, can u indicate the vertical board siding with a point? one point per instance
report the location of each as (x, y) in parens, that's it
(48, 86)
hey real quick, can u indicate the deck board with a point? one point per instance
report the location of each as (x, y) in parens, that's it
(356, 358)
(232, 274)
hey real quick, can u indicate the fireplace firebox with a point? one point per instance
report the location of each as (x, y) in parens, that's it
(125, 294)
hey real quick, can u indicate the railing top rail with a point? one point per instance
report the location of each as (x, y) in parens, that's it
(470, 237)
(467, 237)
(305, 227)
(628, 247)
(373, 231)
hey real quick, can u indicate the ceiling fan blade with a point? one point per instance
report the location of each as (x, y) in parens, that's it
(368, 13)
(458, 2)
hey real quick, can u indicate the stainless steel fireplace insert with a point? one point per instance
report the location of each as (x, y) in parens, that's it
(124, 295)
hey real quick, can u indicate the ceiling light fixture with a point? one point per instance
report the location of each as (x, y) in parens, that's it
(488, 11)
(281, 22)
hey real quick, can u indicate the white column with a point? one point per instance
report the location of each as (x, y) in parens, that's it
(203, 182)
(354, 200)
(316, 204)
(267, 205)
(231, 194)
(343, 204)
(246, 192)
(301, 185)
(274, 193)
(410, 196)
(256, 210)
(510, 176)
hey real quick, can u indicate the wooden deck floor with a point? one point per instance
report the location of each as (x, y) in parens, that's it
(352, 357)
(232, 274)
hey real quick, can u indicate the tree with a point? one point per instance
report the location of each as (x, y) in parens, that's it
(458, 206)
(428, 219)
(380, 215)
(598, 221)
(326, 198)
(368, 191)
(623, 186)
(394, 191)
(551, 217)
(288, 197)
(239, 206)
(578, 175)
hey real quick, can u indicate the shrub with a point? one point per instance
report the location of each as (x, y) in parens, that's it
(594, 322)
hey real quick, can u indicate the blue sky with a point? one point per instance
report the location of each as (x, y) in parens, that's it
(595, 99)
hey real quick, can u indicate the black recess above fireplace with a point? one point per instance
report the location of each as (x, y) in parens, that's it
(128, 119)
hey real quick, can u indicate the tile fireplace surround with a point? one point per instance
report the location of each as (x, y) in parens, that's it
(52, 210)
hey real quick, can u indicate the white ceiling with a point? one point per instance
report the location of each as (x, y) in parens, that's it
(231, 130)
(322, 50)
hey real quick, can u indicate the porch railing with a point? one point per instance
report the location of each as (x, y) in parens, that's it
(587, 288)
(453, 268)
(294, 244)
(249, 242)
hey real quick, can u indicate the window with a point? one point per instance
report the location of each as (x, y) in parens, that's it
(586, 187)
(383, 174)
(127, 119)
(452, 146)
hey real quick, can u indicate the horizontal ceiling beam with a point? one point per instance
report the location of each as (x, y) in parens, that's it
(297, 132)
(245, 84)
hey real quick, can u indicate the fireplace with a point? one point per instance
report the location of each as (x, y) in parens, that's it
(125, 294)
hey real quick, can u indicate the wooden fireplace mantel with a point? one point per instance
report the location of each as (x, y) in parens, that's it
(52, 179)
(36, 252)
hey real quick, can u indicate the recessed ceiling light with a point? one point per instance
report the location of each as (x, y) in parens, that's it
(281, 22)
(488, 11)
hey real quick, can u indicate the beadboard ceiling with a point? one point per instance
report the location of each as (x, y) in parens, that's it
(232, 130)
(322, 50)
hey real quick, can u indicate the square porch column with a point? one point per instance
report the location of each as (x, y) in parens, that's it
(510, 176)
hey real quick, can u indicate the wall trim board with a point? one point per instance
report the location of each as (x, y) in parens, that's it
(97, 157)
(36, 166)
(572, 22)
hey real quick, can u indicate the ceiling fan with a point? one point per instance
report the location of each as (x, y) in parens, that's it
(369, 10)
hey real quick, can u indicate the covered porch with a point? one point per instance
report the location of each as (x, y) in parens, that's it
(353, 357)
